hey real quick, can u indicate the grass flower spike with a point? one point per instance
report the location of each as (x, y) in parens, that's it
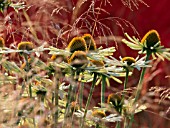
(2, 42)
(77, 44)
(91, 45)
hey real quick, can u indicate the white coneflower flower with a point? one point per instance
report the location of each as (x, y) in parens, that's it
(150, 43)
(98, 116)
(128, 62)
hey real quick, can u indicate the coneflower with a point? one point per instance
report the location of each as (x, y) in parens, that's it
(128, 60)
(25, 46)
(91, 45)
(77, 44)
(151, 38)
(78, 59)
(116, 101)
(99, 114)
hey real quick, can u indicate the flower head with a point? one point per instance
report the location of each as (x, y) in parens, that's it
(78, 59)
(91, 45)
(2, 42)
(98, 114)
(151, 38)
(25, 46)
(116, 101)
(150, 44)
(128, 60)
(77, 44)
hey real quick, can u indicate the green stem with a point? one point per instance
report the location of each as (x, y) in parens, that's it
(118, 124)
(81, 95)
(123, 96)
(27, 70)
(30, 90)
(81, 99)
(125, 83)
(97, 126)
(103, 88)
(27, 63)
(67, 105)
(89, 98)
(139, 87)
(56, 102)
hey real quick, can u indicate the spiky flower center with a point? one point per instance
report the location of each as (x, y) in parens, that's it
(77, 44)
(129, 60)
(78, 59)
(98, 114)
(151, 38)
(91, 45)
(25, 46)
